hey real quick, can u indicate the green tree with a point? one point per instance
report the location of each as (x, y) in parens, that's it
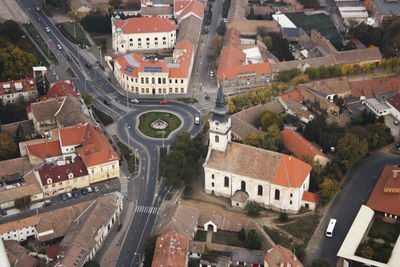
(262, 31)
(8, 148)
(251, 13)
(283, 217)
(321, 262)
(95, 22)
(253, 240)
(23, 203)
(242, 234)
(350, 149)
(19, 135)
(253, 209)
(221, 29)
(15, 63)
(315, 128)
(327, 190)
(88, 99)
(267, 40)
(269, 118)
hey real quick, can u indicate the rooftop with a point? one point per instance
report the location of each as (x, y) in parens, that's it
(11, 128)
(145, 25)
(336, 86)
(61, 88)
(310, 197)
(14, 251)
(18, 166)
(19, 224)
(154, 11)
(31, 187)
(395, 101)
(373, 87)
(249, 27)
(12, 87)
(193, 7)
(45, 150)
(223, 221)
(388, 8)
(171, 250)
(281, 256)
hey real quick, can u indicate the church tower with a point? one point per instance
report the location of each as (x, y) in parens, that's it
(220, 123)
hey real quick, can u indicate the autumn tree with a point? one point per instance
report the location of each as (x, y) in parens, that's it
(88, 99)
(253, 240)
(327, 190)
(8, 148)
(350, 149)
(15, 63)
(269, 118)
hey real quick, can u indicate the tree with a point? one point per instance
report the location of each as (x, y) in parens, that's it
(251, 13)
(15, 63)
(149, 248)
(262, 31)
(271, 140)
(88, 99)
(23, 203)
(253, 209)
(350, 149)
(267, 40)
(19, 135)
(96, 22)
(283, 217)
(314, 128)
(321, 262)
(8, 148)
(115, 4)
(242, 234)
(253, 240)
(221, 29)
(269, 118)
(327, 190)
(216, 44)
(91, 264)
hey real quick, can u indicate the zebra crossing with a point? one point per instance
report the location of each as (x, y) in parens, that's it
(146, 209)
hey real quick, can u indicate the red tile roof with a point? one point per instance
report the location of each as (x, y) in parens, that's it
(374, 87)
(52, 251)
(291, 172)
(194, 7)
(310, 197)
(95, 148)
(394, 101)
(12, 87)
(179, 6)
(232, 37)
(45, 150)
(145, 25)
(60, 173)
(293, 95)
(383, 201)
(185, 60)
(61, 88)
(280, 256)
(300, 146)
(171, 250)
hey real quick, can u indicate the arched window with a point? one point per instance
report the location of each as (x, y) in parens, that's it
(243, 186)
(226, 182)
(147, 39)
(216, 139)
(131, 40)
(159, 80)
(277, 194)
(139, 40)
(153, 81)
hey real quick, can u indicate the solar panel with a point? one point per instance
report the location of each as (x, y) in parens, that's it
(129, 69)
(152, 69)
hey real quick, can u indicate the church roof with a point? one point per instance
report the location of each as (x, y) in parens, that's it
(220, 107)
(257, 163)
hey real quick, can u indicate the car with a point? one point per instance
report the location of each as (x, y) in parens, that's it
(64, 197)
(37, 9)
(135, 101)
(4, 212)
(96, 189)
(205, 31)
(75, 194)
(68, 58)
(83, 191)
(225, 20)
(107, 102)
(197, 119)
(211, 73)
(46, 203)
(163, 102)
(69, 195)
(47, 29)
(59, 47)
(38, 19)
(89, 189)
(397, 123)
(206, 96)
(88, 66)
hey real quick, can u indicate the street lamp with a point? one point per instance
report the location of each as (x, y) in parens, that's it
(134, 256)
(136, 158)
(128, 137)
(101, 56)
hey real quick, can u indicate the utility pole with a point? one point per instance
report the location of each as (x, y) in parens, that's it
(101, 56)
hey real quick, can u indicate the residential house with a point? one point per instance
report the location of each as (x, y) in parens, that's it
(171, 250)
(244, 257)
(13, 170)
(19, 230)
(55, 180)
(47, 151)
(281, 256)
(293, 103)
(272, 179)
(185, 9)
(60, 89)
(20, 90)
(302, 148)
(374, 87)
(216, 221)
(28, 188)
(142, 34)
(14, 252)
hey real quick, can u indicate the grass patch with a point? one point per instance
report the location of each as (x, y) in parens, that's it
(384, 230)
(31, 48)
(320, 22)
(146, 119)
(67, 29)
(103, 117)
(102, 43)
(278, 237)
(70, 72)
(40, 42)
(302, 227)
(127, 153)
(200, 236)
(227, 238)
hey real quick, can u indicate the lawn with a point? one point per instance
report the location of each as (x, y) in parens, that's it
(278, 237)
(39, 40)
(320, 22)
(227, 238)
(302, 227)
(69, 31)
(146, 119)
(200, 236)
(387, 231)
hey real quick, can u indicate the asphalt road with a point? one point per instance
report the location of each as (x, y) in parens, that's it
(354, 192)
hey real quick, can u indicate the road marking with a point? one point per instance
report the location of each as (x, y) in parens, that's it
(146, 209)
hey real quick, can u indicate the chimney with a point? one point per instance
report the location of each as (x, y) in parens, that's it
(395, 173)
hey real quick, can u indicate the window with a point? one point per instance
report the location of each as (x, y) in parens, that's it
(159, 80)
(142, 80)
(291, 202)
(170, 80)
(164, 90)
(139, 40)
(212, 184)
(226, 182)
(277, 194)
(216, 139)
(182, 90)
(260, 190)
(153, 81)
(182, 81)
(155, 39)
(147, 90)
(176, 90)
(170, 90)
(212, 176)
(147, 80)
(176, 80)
(164, 38)
(291, 194)
(159, 90)
(243, 186)
(147, 39)
(164, 81)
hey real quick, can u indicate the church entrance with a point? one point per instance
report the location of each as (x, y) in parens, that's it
(243, 186)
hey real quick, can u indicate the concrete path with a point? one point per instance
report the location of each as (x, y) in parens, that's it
(209, 236)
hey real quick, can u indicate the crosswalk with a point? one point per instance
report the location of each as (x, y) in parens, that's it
(146, 209)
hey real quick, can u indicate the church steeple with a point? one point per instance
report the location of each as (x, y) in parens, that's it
(220, 107)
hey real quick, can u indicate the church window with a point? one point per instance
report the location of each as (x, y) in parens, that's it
(226, 182)
(260, 190)
(216, 139)
(291, 194)
(212, 184)
(277, 194)
(212, 176)
(291, 202)
(243, 186)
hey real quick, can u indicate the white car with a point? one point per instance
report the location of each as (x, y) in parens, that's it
(197, 119)
(59, 46)
(89, 189)
(47, 29)
(211, 74)
(135, 101)
(69, 195)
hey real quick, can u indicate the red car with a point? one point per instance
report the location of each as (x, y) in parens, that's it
(46, 203)
(163, 102)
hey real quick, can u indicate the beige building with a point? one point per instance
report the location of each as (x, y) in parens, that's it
(19, 230)
(142, 34)
(21, 90)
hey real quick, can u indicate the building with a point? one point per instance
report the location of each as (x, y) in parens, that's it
(171, 250)
(142, 34)
(302, 148)
(55, 180)
(20, 90)
(374, 87)
(293, 103)
(156, 77)
(281, 256)
(377, 107)
(382, 9)
(185, 9)
(26, 125)
(14, 251)
(13, 170)
(353, 11)
(60, 89)
(272, 179)
(394, 104)
(158, 11)
(19, 230)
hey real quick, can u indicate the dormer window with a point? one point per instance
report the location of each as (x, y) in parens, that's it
(70, 175)
(49, 181)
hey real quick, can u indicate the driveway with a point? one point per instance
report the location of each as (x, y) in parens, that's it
(354, 192)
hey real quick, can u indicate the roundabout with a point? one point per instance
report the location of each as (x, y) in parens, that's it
(158, 124)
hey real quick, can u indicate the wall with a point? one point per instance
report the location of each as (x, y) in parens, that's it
(103, 172)
(124, 43)
(20, 234)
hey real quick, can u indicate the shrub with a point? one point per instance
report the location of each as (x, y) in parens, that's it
(283, 217)
(253, 209)
(242, 234)
(253, 240)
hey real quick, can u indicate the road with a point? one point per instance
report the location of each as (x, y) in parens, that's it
(354, 192)
(144, 190)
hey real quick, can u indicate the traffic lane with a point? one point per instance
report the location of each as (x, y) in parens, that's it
(355, 192)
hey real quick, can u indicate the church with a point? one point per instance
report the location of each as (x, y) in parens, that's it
(244, 173)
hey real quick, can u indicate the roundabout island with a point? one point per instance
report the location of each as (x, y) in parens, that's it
(158, 124)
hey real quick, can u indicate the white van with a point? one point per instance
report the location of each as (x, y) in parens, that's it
(196, 119)
(331, 228)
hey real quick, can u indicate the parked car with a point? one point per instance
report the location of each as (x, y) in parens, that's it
(96, 189)
(88, 65)
(75, 194)
(135, 101)
(63, 197)
(107, 102)
(211, 73)
(4, 212)
(397, 123)
(69, 195)
(46, 203)
(83, 191)
(37, 9)
(197, 119)
(163, 102)
(89, 189)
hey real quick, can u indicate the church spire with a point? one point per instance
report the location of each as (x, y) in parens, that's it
(220, 107)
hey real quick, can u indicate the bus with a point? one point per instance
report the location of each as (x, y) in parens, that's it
(331, 227)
